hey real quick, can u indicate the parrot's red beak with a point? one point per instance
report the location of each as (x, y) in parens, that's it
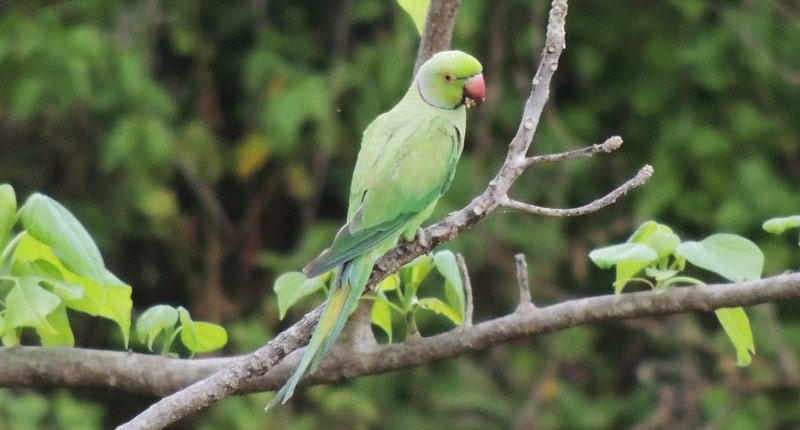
(474, 90)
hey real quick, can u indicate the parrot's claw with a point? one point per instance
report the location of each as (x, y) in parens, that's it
(422, 237)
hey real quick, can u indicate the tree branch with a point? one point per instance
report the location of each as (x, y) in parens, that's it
(468, 304)
(611, 144)
(441, 14)
(147, 374)
(525, 302)
(641, 177)
(438, 30)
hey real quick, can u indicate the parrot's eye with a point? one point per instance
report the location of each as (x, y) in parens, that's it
(448, 77)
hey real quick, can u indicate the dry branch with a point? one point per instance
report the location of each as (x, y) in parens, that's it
(147, 374)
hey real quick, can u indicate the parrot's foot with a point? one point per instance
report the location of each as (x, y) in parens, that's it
(422, 237)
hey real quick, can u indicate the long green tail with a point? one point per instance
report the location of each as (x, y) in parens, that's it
(342, 300)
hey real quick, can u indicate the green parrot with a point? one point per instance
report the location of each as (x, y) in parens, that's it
(407, 160)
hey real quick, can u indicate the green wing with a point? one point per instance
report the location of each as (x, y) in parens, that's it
(400, 171)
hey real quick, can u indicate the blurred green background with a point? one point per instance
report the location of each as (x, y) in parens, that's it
(207, 146)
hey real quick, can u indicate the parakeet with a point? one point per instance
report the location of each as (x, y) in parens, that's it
(406, 162)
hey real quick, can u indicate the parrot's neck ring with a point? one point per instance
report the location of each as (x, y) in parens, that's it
(457, 105)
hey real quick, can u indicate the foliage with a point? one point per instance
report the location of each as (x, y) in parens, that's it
(208, 146)
(398, 292)
(53, 264)
(656, 252)
(780, 225)
(196, 336)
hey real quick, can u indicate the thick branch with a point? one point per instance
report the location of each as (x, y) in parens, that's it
(73, 367)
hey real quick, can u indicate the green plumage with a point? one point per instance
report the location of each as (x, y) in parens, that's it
(407, 160)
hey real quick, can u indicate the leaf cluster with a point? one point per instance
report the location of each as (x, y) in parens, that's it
(397, 295)
(52, 264)
(658, 254)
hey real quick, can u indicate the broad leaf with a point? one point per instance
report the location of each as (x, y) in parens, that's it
(442, 308)
(623, 252)
(27, 304)
(664, 243)
(447, 265)
(737, 327)
(201, 336)
(392, 282)
(293, 286)
(111, 300)
(59, 331)
(630, 259)
(780, 225)
(152, 321)
(8, 211)
(382, 316)
(413, 273)
(732, 257)
(417, 9)
(52, 224)
(49, 277)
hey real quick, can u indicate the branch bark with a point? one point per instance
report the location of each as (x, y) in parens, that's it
(438, 30)
(147, 374)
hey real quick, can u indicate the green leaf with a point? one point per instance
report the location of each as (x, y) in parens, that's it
(27, 304)
(8, 211)
(152, 321)
(447, 265)
(442, 308)
(643, 232)
(201, 336)
(664, 243)
(780, 225)
(413, 273)
(59, 331)
(737, 327)
(417, 9)
(657, 236)
(659, 275)
(382, 316)
(732, 257)
(111, 300)
(630, 258)
(293, 286)
(10, 337)
(623, 252)
(392, 282)
(49, 277)
(52, 224)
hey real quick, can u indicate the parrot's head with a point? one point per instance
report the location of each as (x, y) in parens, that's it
(451, 79)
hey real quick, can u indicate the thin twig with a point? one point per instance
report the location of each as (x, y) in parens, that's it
(525, 302)
(640, 179)
(611, 144)
(462, 265)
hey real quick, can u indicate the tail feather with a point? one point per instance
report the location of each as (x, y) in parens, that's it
(347, 289)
